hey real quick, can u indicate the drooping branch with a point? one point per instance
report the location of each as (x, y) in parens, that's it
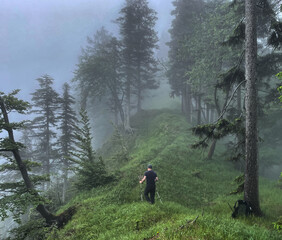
(229, 101)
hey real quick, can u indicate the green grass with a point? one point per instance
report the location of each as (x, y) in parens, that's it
(189, 186)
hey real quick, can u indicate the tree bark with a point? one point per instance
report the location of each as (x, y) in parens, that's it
(128, 105)
(208, 112)
(199, 110)
(65, 180)
(212, 113)
(187, 102)
(251, 188)
(212, 149)
(118, 105)
(139, 90)
(116, 115)
(239, 100)
(47, 169)
(182, 103)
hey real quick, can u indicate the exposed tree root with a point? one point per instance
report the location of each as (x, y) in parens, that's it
(65, 216)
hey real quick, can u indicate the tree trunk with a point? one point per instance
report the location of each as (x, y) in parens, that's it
(212, 149)
(239, 101)
(187, 102)
(208, 112)
(199, 110)
(183, 102)
(139, 99)
(139, 96)
(116, 115)
(48, 155)
(118, 105)
(212, 110)
(251, 188)
(203, 115)
(121, 113)
(65, 180)
(240, 137)
(128, 106)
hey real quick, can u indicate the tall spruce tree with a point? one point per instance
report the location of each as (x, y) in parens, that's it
(90, 169)
(184, 25)
(139, 40)
(45, 106)
(99, 73)
(67, 141)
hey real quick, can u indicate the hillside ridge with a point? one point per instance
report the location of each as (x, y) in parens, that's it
(191, 188)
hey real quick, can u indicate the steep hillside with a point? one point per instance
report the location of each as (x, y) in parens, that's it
(194, 192)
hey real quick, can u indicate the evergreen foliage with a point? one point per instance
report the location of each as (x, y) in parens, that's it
(45, 106)
(184, 27)
(187, 15)
(219, 91)
(99, 73)
(89, 168)
(279, 75)
(16, 194)
(139, 41)
(122, 151)
(232, 80)
(67, 139)
(34, 229)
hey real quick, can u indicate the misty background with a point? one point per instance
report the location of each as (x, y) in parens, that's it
(46, 37)
(199, 104)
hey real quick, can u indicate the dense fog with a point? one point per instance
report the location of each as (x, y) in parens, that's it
(93, 92)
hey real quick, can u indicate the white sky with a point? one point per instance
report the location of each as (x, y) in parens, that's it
(46, 36)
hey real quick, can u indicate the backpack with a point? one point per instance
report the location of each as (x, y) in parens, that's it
(241, 207)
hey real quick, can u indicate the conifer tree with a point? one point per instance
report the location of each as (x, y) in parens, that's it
(45, 106)
(68, 122)
(232, 81)
(99, 73)
(20, 194)
(90, 169)
(139, 40)
(184, 25)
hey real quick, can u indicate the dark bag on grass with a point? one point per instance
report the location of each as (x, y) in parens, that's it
(241, 208)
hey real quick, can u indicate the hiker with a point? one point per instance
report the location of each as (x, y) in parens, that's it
(151, 177)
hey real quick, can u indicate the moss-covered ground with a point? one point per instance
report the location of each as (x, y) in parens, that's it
(194, 192)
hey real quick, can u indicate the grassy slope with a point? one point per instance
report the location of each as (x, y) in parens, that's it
(163, 139)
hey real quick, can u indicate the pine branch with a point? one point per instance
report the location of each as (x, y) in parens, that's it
(229, 101)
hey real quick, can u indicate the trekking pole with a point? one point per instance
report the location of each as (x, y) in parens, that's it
(141, 195)
(141, 192)
(159, 197)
